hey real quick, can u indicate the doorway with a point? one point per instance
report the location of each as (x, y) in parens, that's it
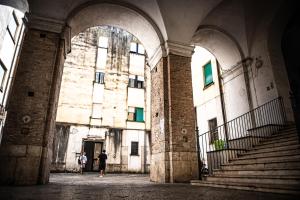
(92, 150)
(290, 49)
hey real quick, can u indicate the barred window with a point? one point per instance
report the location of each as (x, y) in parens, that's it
(213, 131)
(137, 48)
(99, 77)
(134, 149)
(136, 82)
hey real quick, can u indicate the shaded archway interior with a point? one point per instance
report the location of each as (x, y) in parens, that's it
(291, 49)
(121, 17)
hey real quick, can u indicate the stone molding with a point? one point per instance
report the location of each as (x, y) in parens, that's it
(170, 47)
(50, 25)
(179, 49)
(44, 24)
(155, 58)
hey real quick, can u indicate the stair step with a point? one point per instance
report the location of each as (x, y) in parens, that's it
(265, 172)
(286, 143)
(264, 159)
(265, 150)
(282, 136)
(289, 164)
(256, 179)
(283, 189)
(266, 142)
(270, 154)
(273, 165)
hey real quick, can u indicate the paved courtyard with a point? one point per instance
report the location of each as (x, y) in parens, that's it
(124, 186)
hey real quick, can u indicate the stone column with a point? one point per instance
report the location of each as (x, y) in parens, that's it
(26, 148)
(174, 156)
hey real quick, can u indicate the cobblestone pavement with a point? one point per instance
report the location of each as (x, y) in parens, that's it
(125, 187)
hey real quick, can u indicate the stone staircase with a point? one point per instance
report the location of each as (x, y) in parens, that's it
(271, 166)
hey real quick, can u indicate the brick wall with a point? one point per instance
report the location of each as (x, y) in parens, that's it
(174, 157)
(29, 127)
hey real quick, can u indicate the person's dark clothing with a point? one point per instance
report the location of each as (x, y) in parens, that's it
(102, 161)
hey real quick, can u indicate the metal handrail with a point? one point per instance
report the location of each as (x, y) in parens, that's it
(225, 142)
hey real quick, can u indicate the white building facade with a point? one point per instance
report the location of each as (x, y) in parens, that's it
(104, 103)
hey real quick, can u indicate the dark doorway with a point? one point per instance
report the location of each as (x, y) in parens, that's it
(291, 49)
(92, 150)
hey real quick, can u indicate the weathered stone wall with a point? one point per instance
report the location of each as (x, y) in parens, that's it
(60, 144)
(96, 108)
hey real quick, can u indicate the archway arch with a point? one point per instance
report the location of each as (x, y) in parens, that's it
(123, 16)
(21, 5)
(230, 59)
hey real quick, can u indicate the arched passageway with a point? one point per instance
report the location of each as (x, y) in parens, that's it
(166, 29)
(233, 68)
(46, 43)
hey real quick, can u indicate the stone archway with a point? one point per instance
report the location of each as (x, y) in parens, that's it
(21, 5)
(124, 16)
(231, 61)
(26, 147)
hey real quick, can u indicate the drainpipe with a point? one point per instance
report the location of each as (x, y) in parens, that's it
(248, 90)
(221, 90)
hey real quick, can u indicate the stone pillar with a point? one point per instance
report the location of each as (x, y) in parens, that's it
(174, 156)
(26, 148)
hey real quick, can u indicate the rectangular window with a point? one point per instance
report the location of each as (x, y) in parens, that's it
(99, 77)
(2, 74)
(208, 78)
(133, 47)
(213, 130)
(13, 26)
(131, 82)
(136, 82)
(137, 48)
(103, 42)
(134, 149)
(131, 113)
(102, 52)
(136, 114)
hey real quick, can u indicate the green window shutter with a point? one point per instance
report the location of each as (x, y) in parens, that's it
(208, 78)
(139, 113)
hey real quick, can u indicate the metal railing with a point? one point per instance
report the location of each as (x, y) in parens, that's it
(225, 142)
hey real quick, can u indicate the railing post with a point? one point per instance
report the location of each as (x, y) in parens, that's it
(198, 153)
(226, 136)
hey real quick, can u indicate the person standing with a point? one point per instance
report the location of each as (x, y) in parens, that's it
(83, 161)
(102, 163)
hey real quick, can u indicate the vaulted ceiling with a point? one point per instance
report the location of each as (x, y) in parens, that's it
(157, 21)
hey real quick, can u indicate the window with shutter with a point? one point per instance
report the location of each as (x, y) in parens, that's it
(139, 114)
(208, 78)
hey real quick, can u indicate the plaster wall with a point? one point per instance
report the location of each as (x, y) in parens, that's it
(206, 99)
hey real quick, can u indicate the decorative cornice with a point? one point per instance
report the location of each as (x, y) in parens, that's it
(170, 47)
(45, 24)
(180, 49)
(158, 54)
(50, 25)
(66, 35)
